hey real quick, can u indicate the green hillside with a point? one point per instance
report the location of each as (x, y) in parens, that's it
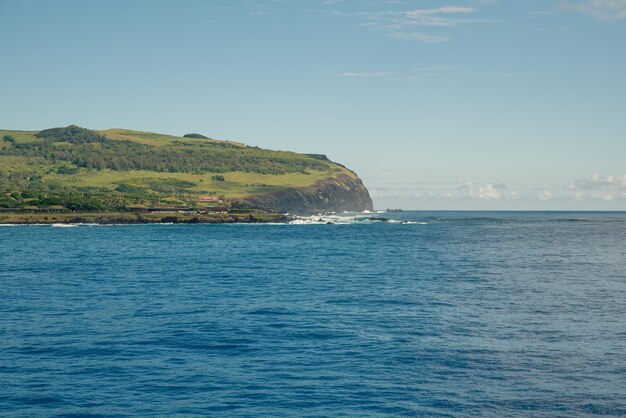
(80, 169)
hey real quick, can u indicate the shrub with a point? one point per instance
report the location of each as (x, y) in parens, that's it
(198, 136)
(73, 134)
(67, 170)
(127, 188)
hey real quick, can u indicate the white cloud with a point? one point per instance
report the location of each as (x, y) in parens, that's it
(444, 191)
(594, 192)
(439, 16)
(511, 73)
(541, 13)
(441, 10)
(545, 195)
(597, 183)
(486, 192)
(604, 9)
(418, 36)
(371, 74)
(402, 193)
(401, 24)
(415, 73)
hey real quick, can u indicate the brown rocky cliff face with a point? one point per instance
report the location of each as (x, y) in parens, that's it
(337, 194)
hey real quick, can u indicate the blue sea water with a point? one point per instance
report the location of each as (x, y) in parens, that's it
(453, 314)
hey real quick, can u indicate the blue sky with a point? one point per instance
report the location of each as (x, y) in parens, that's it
(469, 104)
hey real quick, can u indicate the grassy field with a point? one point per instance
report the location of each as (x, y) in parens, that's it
(20, 137)
(235, 184)
(33, 169)
(150, 138)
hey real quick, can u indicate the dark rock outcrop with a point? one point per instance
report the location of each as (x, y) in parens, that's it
(335, 194)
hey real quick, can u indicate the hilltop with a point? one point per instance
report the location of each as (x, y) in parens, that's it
(78, 169)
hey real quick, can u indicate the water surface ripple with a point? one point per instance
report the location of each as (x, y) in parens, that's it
(459, 314)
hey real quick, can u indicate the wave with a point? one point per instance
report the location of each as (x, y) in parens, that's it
(322, 219)
(348, 218)
(75, 225)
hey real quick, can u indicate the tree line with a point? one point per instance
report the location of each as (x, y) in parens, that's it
(87, 149)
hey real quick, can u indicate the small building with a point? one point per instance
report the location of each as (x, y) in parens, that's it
(208, 199)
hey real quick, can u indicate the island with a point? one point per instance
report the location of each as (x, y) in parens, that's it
(78, 175)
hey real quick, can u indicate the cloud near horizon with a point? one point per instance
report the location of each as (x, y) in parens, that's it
(593, 188)
(470, 190)
(486, 192)
(597, 183)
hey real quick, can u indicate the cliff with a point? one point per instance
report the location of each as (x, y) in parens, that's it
(344, 192)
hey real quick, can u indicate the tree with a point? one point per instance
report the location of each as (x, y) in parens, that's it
(198, 136)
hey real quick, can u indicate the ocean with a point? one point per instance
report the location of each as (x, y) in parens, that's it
(425, 314)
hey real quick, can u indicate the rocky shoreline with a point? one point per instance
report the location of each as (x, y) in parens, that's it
(108, 218)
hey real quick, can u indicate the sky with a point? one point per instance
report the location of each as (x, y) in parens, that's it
(468, 104)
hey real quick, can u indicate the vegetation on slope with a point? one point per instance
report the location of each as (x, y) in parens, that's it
(88, 149)
(80, 169)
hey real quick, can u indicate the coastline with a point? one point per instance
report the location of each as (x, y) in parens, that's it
(107, 218)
